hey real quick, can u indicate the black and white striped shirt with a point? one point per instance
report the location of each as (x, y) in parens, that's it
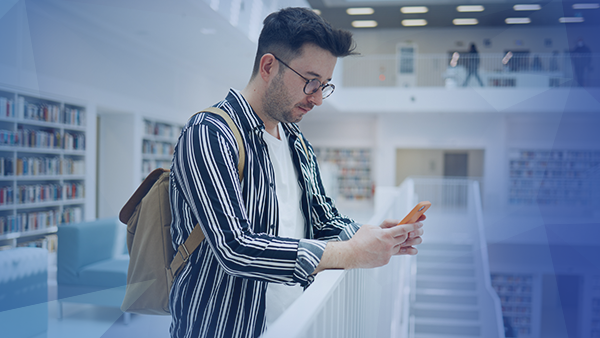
(222, 291)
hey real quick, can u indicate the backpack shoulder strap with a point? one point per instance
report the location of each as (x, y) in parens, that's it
(236, 134)
(304, 146)
(197, 236)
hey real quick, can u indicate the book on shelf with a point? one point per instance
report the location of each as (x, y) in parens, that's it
(7, 107)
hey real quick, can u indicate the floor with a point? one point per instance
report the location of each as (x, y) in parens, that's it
(89, 321)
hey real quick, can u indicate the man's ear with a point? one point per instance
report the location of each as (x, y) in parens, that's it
(268, 67)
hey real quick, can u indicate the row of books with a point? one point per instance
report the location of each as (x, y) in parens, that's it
(549, 174)
(515, 309)
(31, 221)
(73, 116)
(519, 289)
(34, 166)
(37, 193)
(555, 155)
(160, 129)
(585, 165)
(554, 184)
(157, 148)
(42, 111)
(52, 139)
(514, 299)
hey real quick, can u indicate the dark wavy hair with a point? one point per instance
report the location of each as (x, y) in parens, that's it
(285, 32)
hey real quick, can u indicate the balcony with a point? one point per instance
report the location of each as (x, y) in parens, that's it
(511, 82)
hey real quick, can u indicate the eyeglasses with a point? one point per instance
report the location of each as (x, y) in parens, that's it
(312, 86)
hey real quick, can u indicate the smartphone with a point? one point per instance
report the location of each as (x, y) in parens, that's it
(416, 212)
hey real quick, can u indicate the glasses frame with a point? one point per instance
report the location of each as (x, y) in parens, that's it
(321, 85)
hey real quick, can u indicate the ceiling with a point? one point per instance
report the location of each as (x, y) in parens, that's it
(442, 12)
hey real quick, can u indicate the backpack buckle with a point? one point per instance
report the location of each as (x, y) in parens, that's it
(187, 254)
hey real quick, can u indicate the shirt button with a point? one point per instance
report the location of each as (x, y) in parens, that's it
(271, 185)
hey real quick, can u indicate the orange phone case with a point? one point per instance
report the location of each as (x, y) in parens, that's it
(416, 212)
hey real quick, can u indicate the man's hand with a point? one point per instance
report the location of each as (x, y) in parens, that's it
(372, 246)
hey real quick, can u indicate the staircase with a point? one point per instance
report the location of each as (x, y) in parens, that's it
(451, 293)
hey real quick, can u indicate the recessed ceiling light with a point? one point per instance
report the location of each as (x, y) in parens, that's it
(317, 11)
(364, 23)
(572, 19)
(414, 9)
(470, 8)
(517, 21)
(532, 7)
(414, 22)
(464, 21)
(586, 6)
(360, 11)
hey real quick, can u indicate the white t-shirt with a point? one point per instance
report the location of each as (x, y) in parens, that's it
(291, 221)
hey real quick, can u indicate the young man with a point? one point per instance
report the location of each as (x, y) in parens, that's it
(277, 228)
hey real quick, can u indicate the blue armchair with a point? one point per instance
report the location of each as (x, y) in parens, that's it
(92, 263)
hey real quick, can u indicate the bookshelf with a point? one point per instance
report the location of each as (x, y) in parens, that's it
(158, 144)
(354, 171)
(42, 165)
(552, 177)
(518, 296)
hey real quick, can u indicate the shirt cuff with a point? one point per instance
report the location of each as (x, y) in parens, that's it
(348, 231)
(310, 252)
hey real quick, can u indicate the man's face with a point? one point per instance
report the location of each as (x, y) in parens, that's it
(285, 100)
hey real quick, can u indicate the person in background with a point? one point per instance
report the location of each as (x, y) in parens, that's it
(582, 62)
(270, 234)
(472, 64)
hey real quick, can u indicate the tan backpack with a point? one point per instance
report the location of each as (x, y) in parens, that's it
(152, 264)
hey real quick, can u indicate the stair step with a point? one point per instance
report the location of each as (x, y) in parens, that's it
(446, 299)
(457, 330)
(446, 285)
(446, 321)
(443, 306)
(426, 271)
(446, 314)
(443, 279)
(443, 292)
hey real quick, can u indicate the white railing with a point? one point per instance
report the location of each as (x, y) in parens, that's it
(377, 302)
(444, 70)
(356, 303)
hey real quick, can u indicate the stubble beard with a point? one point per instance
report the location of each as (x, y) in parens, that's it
(277, 104)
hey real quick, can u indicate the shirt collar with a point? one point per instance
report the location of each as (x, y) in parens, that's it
(248, 117)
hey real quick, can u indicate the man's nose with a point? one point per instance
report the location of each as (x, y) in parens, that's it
(316, 98)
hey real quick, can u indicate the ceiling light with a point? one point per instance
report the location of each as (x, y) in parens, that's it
(572, 19)
(586, 6)
(470, 8)
(533, 7)
(414, 9)
(463, 21)
(360, 11)
(414, 22)
(364, 23)
(517, 21)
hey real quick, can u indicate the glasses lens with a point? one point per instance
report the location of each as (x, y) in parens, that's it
(328, 90)
(312, 86)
